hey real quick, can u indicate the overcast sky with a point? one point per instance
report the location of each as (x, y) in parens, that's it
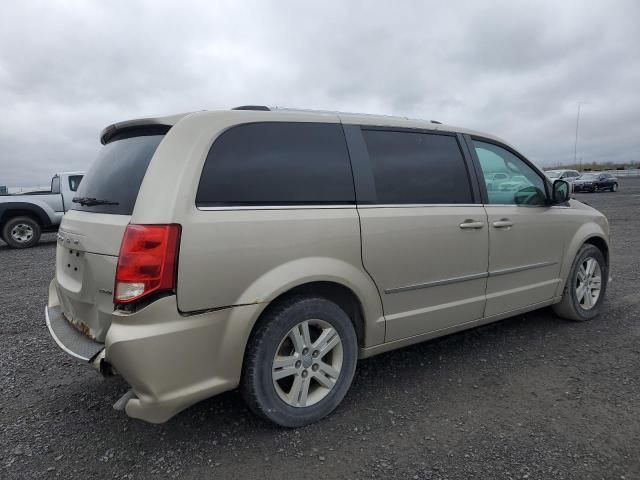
(515, 69)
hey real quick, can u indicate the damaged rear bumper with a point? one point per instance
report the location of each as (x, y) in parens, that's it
(169, 360)
(69, 338)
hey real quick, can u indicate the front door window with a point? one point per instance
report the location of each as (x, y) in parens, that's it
(509, 180)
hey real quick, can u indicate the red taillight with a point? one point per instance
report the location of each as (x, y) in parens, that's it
(148, 261)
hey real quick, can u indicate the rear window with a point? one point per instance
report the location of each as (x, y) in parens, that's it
(277, 163)
(112, 183)
(74, 182)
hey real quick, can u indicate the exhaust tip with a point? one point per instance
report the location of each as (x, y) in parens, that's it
(124, 399)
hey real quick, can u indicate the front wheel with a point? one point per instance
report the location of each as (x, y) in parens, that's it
(21, 232)
(585, 287)
(299, 362)
(614, 187)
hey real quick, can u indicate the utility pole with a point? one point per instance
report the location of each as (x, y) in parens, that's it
(575, 145)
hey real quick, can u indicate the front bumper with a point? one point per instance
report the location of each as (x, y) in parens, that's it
(170, 360)
(583, 187)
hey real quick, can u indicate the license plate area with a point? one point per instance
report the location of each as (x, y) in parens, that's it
(70, 268)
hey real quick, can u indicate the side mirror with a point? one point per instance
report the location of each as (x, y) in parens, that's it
(530, 195)
(55, 184)
(561, 191)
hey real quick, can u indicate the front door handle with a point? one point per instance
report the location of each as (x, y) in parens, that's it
(503, 223)
(471, 225)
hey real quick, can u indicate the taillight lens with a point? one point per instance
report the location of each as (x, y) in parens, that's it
(147, 263)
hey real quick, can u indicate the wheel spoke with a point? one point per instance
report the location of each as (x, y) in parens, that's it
(591, 266)
(296, 338)
(323, 379)
(284, 362)
(306, 336)
(284, 367)
(588, 300)
(284, 373)
(329, 370)
(304, 392)
(580, 293)
(294, 393)
(299, 391)
(582, 273)
(328, 339)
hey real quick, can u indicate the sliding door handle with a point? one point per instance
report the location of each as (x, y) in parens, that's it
(503, 223)
(471, 225)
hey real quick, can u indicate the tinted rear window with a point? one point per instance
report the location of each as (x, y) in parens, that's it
(277, 163)
(417, 168)
(74, 182)
(117, 173)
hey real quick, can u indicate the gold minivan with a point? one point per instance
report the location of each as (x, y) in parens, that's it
(270, 249)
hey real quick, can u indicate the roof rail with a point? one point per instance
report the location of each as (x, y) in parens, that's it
(262, 108)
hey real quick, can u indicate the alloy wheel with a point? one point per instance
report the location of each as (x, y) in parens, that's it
(307, 363)
(588, 283)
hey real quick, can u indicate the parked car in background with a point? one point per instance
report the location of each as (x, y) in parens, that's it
(513, 184)
(494, 180)
(595, 182)
(566, 175)
(287, 244)
(25, 216)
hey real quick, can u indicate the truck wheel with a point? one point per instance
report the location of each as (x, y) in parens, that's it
(21, 232)
(299, 362)
(585, 287)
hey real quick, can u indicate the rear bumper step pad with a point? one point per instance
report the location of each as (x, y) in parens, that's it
(68, 338)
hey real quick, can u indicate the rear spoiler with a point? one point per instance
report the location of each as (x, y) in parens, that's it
(140, 126)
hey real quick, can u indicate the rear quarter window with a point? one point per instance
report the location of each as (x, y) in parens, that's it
(277, 163)
(114, 179)
(74, 182)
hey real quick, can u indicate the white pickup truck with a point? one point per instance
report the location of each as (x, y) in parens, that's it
(25, 216)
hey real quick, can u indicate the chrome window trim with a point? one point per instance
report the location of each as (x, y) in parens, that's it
(465, 278)
(364, 206)
(320, 206)
(417, 205)
(276, 207)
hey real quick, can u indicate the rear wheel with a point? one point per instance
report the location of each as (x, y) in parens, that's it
(300, 362)
(21, 232)
(614, 187)
(585, 287)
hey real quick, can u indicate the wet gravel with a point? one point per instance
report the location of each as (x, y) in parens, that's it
(529, 397)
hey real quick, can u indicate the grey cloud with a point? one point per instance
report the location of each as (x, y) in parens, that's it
(515, 69)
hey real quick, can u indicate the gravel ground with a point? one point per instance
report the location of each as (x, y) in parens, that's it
(529, 397)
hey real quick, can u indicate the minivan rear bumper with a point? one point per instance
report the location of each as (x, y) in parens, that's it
(170, 360)
(69, 338)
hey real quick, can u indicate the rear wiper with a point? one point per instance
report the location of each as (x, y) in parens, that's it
(90, 201)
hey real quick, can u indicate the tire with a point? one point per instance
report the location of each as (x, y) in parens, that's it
(614, 187)
(574, 307)
(281, 400)
(21, 232)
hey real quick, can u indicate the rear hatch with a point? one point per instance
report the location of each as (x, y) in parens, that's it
(91, 232)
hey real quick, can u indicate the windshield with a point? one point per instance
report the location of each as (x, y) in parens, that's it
(553, 173)
(588, 176)
(112, 183)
